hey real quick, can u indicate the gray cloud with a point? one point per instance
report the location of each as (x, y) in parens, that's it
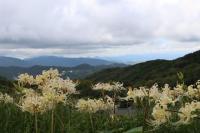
(98, 27)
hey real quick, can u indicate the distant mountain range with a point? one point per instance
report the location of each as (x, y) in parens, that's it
(155, 71)
(77, 72)
(51, 61)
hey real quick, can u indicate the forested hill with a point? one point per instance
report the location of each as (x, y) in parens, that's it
(155, 71)
(5, 85)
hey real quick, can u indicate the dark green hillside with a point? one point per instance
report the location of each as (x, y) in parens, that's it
(156, 71)
(5, 85)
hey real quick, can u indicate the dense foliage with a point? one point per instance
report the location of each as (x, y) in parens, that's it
(6, 86)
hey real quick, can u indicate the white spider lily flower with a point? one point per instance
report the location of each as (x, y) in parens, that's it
(187, 112)
(115, 86)
(191, 91)
(66, 86)
(154, 92)
(94, 105)
(160, 115)
(8, 98)
(32, 104)
(103, 86)
(26, 79)
(5, 98)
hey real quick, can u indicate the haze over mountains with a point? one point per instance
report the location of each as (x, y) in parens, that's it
(75, 68)
(51, 61)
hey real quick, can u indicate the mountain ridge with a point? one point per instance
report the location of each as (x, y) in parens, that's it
(51, 61)
(77, 72)
(154, 71)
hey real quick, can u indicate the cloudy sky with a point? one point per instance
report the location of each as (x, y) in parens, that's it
(99, 28)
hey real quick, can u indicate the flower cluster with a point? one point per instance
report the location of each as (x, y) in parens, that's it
(115, 86)
(94, 105)
(33, 103)
(67, 86)
(188, 112)
(160, 115)
(5, 98)
(26, 79)
(166, 99)
(43, 92)
(51, 90)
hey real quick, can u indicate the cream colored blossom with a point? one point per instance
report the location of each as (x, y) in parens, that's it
(51, 90)
(52, 97)
(8, 99)
(103, 86)
(187, 112)
(25, 79)
(1, 97)
(131, 94)
(40, 80)
(178, 90)
(117, 86)
(32, 104)
(28, 92)
(167, 90)
(191, 91)
(154, 92)
(165, 100)
(51, 73)
(89, 105)
(160, 115)
(66, 86)
(165, 97)
(46, 76)
(5, 98)
(198, 84)
(137, 93)
(109, 104)
(94, 105)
